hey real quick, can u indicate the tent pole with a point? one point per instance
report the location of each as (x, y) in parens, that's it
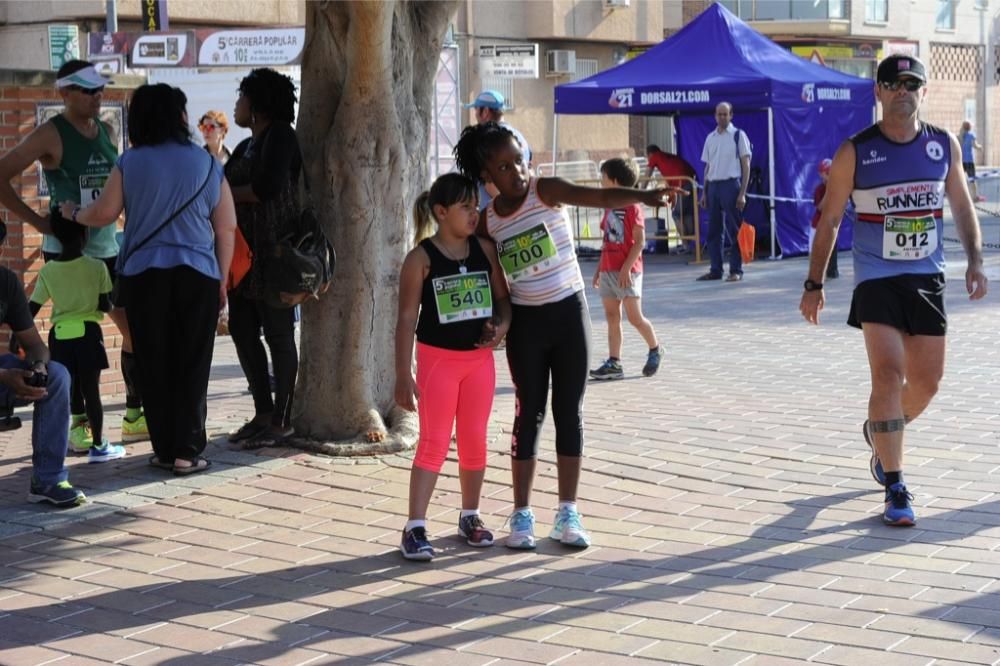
(770, 171)
(555, 144)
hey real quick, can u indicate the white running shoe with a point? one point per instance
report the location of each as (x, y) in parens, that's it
(568, 529)
(522, 530)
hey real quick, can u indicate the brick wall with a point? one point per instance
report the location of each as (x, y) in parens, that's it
(637, 134)
(945, 103)
(22, 251)
(954, 77)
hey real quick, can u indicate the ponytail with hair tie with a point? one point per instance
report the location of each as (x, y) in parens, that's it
(423, 217)
(447, 190)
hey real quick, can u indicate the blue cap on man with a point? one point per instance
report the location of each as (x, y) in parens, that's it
(488, 99)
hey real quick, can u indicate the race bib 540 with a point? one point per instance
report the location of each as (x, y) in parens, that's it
(464, 296)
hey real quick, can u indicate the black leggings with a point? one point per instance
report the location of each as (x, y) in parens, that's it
(246, 319)
(549, 339)
(85, 398)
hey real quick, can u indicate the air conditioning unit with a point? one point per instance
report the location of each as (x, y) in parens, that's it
(560, 62)
(616, 4)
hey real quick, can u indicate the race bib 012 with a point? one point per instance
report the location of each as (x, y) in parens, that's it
(463, 297)
(909, 238)
(528, 252)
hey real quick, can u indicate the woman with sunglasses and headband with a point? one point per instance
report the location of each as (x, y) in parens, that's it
(214, 126)
(77, 153)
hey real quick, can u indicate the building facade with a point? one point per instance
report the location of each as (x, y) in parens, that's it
(35, 36)
(951, 36)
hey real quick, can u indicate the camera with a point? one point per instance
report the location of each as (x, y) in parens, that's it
(37, 379)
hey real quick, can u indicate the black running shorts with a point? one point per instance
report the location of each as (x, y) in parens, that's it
(914, 304)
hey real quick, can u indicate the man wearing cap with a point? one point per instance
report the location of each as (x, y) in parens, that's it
(897, 172)
(489, 107)
(77, 154)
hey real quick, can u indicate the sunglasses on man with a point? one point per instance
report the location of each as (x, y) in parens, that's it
(910, 85)
(87, 91)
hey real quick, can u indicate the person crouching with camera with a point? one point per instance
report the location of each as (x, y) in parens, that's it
(36, 379)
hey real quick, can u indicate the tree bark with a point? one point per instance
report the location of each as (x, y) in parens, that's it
(364, 117)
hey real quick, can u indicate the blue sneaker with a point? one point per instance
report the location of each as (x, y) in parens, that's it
(105, 452)
(608, 370)
(415, 545)
(898, 511)
(522, 530)
(875, 465)
(652, 362)
(568, 529)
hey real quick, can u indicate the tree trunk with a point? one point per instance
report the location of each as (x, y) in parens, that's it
(367, 78)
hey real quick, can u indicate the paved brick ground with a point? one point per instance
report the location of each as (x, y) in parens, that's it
(733, 517)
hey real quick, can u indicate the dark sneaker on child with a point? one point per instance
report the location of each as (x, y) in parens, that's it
(475, 532)
(708, 276)
(652, 362)
(609, 370)
(415, 545)
(898, 511)
(874, 465)
(58, 494)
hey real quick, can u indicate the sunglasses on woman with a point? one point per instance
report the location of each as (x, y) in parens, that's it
(205, 127)
(911, 85)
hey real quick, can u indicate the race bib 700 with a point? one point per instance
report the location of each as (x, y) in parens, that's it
(528, 252)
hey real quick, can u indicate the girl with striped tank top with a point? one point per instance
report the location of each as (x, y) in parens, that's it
(453, 294)
(550, 328)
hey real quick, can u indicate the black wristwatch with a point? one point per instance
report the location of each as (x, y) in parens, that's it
(809, 285)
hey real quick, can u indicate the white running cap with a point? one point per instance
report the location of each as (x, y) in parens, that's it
(88, 78)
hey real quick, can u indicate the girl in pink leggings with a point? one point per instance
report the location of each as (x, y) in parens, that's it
(453, 294)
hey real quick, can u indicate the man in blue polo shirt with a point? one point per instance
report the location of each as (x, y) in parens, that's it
(727, 173)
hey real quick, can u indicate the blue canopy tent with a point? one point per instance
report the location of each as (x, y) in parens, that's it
(795, 112)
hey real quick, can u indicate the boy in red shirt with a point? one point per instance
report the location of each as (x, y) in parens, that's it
(619, 274)
(818, 194)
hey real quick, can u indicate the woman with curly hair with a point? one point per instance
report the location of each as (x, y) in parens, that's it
(264, 174)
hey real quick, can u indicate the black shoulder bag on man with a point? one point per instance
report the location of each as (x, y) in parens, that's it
(120, 292)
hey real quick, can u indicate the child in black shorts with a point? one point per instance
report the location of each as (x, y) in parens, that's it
(79, 288)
